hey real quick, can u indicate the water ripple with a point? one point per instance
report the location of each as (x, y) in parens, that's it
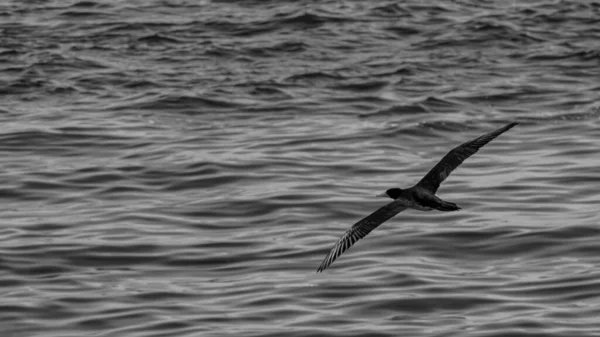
(180, 169)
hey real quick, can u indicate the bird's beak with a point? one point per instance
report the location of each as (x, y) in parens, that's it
(382, 195)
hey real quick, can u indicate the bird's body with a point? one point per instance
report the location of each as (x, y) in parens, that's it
(421, 197)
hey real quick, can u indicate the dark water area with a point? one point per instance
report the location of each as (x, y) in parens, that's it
(181, 168)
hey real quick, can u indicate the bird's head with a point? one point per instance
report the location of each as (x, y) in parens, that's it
(393, 193)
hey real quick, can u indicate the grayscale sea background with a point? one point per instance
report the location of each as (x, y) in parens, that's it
(181, 168)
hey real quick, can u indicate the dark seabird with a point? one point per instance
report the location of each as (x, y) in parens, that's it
(420, 197)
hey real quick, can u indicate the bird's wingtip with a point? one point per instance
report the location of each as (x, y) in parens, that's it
(509, 126)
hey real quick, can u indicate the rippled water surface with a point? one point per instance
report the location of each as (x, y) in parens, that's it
(181, 168)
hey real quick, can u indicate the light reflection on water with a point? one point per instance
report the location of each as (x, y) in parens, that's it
(171, 177)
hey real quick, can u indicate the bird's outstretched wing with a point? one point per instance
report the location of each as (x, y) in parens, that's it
(361, 229)
(432, 180)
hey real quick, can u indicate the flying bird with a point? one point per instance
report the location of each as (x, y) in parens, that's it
(420, 197)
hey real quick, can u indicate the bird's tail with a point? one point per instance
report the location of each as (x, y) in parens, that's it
(446, 206)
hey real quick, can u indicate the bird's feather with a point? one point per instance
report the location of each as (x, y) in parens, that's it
(360, 229)
(432, 180)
